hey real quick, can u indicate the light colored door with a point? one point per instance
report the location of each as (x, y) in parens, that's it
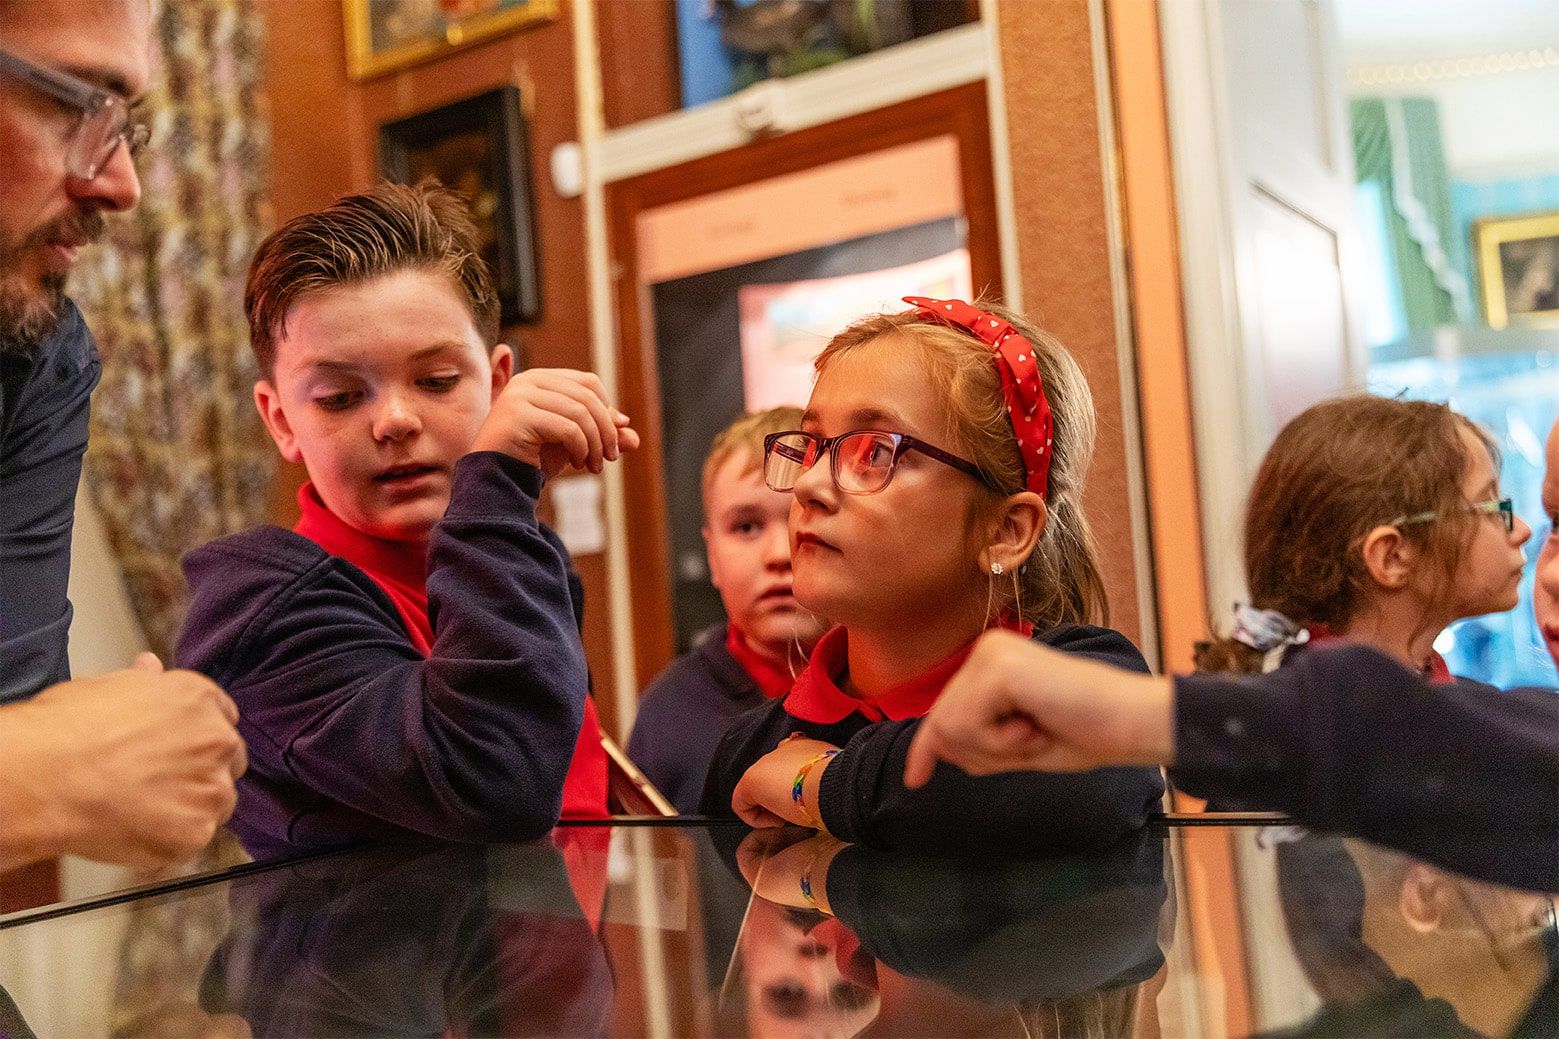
(1264, 183)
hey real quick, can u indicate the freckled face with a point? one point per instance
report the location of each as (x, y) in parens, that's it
(748, 540)
(380, 389)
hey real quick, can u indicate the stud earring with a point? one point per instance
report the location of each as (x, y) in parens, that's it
(997, 568)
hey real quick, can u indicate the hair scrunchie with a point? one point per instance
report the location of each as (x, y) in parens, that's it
(1264, 630)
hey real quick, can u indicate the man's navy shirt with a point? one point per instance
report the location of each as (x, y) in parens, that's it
(44, 398)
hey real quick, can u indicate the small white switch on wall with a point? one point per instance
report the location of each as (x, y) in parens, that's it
(576, 509)
(568, 170)
(760, 108)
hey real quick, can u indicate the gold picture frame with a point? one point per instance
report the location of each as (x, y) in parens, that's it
(1518, 264)
(387, 35)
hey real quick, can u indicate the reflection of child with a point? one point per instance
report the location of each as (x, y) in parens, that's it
(1394, 946)
(755, 655)
(798, 978)
(1376, 521)
(409, 657)
(937, 477)
(963, 948)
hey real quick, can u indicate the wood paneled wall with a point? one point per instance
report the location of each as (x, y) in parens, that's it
(1064, 248)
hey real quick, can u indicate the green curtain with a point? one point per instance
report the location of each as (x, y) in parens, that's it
(1396, 143)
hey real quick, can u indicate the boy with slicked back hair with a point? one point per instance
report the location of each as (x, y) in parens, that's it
(407, 659)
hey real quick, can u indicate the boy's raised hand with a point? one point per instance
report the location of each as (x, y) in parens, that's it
(1016, 705)
(556, 418)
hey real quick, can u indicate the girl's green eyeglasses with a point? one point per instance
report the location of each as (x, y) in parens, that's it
(1503, 506)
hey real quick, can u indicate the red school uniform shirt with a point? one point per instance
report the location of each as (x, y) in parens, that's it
(771, 679)
(401, 572)
(818, 698)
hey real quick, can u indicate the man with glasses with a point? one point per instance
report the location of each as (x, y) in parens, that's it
(136, 766)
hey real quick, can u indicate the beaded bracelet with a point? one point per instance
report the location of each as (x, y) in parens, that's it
(801, 781)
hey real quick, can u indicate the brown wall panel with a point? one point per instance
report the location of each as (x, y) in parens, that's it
(640, 76)
(1063, 246)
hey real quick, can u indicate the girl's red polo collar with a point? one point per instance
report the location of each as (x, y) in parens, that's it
(1436, 671)
(817, 698)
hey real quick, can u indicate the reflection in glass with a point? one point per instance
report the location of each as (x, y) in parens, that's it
(842, 940)
(563, 938)
(457, 940)
(1395, 946)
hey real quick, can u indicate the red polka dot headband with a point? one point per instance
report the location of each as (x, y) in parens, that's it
(1027, 406)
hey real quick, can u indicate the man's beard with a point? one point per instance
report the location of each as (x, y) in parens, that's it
(30, 308)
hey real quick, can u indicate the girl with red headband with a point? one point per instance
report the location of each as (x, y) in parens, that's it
(937, 482)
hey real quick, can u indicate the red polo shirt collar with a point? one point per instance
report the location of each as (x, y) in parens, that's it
(1436, 671)
(771, 679)
(817, 698)
(399, 568)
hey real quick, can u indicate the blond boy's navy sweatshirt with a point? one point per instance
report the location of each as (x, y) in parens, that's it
(352, 734)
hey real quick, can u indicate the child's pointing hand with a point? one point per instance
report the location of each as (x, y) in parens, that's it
(1017, 705)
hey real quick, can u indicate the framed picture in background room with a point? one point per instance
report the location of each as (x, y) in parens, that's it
(1518, 263)
(385, 35)
(479, 147)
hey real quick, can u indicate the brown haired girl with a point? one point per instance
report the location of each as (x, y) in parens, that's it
(956, 439)
(1376, 521)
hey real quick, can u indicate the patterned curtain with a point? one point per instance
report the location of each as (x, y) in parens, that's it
(177, 454)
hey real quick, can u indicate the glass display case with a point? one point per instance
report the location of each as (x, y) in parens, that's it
(696, 930)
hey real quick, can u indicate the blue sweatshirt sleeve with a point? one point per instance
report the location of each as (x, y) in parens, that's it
(472, 743)
(1347, 739)
(44, 404)
(862, 798)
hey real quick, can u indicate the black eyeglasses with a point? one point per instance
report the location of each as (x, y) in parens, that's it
(861, 461)
(1504, 506)
(105, 116)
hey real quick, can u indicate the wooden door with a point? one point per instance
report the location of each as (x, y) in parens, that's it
(1264, 184)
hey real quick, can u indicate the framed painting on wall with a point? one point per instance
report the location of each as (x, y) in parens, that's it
(385, 35)
(479, 148)
(1518, 263)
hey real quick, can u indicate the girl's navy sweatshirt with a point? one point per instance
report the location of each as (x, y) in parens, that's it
(862, 798)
